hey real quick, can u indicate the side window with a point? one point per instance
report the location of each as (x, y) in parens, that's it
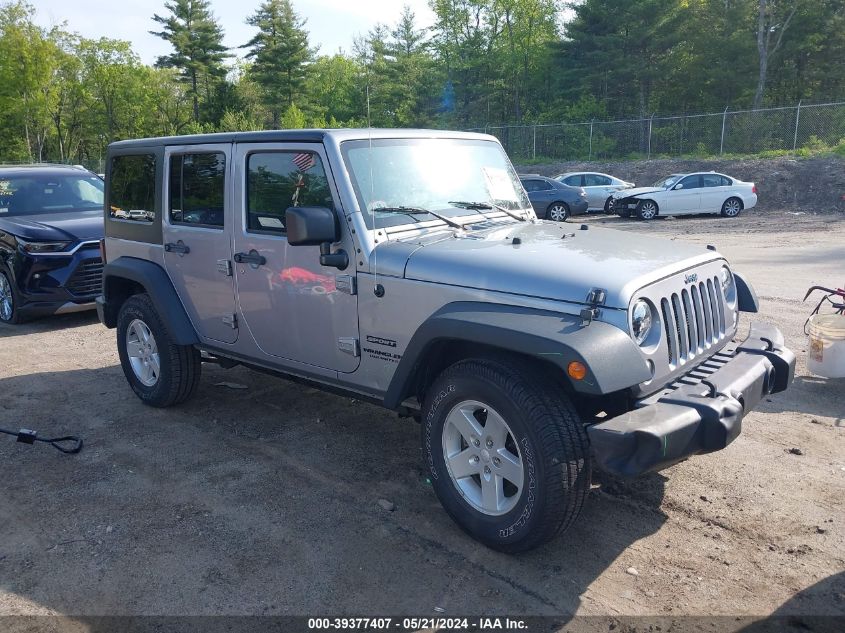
(714, 180)
(132, 188)
(594, 180)
(197, 188)
(691, 182)
(574, 181)
(530, 185)
(279, 180)
(726, 182)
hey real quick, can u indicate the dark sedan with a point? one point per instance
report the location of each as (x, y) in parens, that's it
(51, 223)
(554, 200)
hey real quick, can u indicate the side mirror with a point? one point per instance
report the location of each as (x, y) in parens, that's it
(311, 226)
(678, 186)
(316, 226)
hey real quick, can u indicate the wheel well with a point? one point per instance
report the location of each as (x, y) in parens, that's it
(557, 202)
(444, 353)
(119, 289)
(737, 198)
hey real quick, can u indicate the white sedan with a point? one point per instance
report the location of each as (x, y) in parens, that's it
(599, 187)
(679, 194)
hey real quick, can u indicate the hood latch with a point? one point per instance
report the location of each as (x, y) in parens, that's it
(595, 298)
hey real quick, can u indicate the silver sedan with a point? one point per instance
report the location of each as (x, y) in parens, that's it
(599, 187)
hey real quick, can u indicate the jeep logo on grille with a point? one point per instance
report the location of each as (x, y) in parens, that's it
(691, 278)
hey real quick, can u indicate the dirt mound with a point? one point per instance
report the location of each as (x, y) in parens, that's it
(810, 184)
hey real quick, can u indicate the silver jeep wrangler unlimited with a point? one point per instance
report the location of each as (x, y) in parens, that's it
(407, 268)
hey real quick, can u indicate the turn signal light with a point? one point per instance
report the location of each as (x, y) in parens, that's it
(576, 370)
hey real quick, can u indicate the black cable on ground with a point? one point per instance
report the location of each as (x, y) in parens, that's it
(69, 444)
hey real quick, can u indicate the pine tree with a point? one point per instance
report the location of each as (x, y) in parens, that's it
(280, 54)
(197, 41)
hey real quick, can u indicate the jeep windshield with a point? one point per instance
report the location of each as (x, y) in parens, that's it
(34, 194)
(400, 181)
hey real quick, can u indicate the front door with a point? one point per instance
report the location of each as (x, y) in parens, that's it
(294, 308)
(197, 228)
(688, 198)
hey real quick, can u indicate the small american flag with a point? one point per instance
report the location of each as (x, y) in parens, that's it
(304, 161)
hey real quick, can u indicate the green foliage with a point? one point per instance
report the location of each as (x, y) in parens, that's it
(483, 63)
(280, 53)
(198, 50)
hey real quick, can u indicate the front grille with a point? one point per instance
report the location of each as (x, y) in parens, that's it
(87, 280)
(693, 320)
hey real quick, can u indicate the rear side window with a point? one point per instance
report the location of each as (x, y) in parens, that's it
(715, 180)
(595, 180)
(132, 188)
(279, 180)
(197, 189)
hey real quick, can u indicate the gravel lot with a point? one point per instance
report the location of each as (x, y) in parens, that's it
(265, 499)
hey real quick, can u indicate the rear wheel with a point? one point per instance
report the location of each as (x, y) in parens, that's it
(732, 207)
(558, 212)
(8, 300)
(160, 372)
(647, 210)
(507, 453)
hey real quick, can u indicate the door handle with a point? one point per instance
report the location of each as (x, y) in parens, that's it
(179, 247)
(253, 258)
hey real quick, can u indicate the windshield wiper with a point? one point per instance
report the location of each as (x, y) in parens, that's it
(446, 219)
(480, 206)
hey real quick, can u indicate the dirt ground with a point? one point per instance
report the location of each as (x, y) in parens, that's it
(265, 499)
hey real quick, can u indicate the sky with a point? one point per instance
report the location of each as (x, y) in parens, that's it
(331, 24)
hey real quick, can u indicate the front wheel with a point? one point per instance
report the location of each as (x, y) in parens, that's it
(160, 372)
(558, 212)
(507, 453)
(647, 210)
(9, 312)
(732, 207)
(608, 205)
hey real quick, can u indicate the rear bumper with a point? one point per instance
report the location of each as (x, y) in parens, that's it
(580, 207)
(700, 417)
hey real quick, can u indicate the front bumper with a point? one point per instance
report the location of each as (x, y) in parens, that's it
(701, 415)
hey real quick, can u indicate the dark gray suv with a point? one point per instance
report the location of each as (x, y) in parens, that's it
(553, 200)
(528, 351)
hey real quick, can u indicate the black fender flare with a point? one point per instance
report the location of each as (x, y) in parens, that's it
(746, 298)
(613, 360)
(156, 283)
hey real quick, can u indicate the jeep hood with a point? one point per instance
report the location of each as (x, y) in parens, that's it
(550, 261)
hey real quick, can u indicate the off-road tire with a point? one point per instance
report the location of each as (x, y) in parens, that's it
(644, 208)
(732, 207)
(549, 433)
(180, 365)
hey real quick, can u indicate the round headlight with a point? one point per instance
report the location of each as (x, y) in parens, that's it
(727, 280)
(641, 321)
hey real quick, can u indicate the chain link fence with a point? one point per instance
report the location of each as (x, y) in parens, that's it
(804, 127)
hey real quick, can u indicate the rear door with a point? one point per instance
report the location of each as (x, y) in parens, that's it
(598, 188)
(197, 230)
(715, 190)
(293, 307)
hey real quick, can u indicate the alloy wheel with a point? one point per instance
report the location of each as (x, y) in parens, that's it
(143, 353)
(7, 305)
(483, 458)
(558, 213)
(648, 210)
(732, 208)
